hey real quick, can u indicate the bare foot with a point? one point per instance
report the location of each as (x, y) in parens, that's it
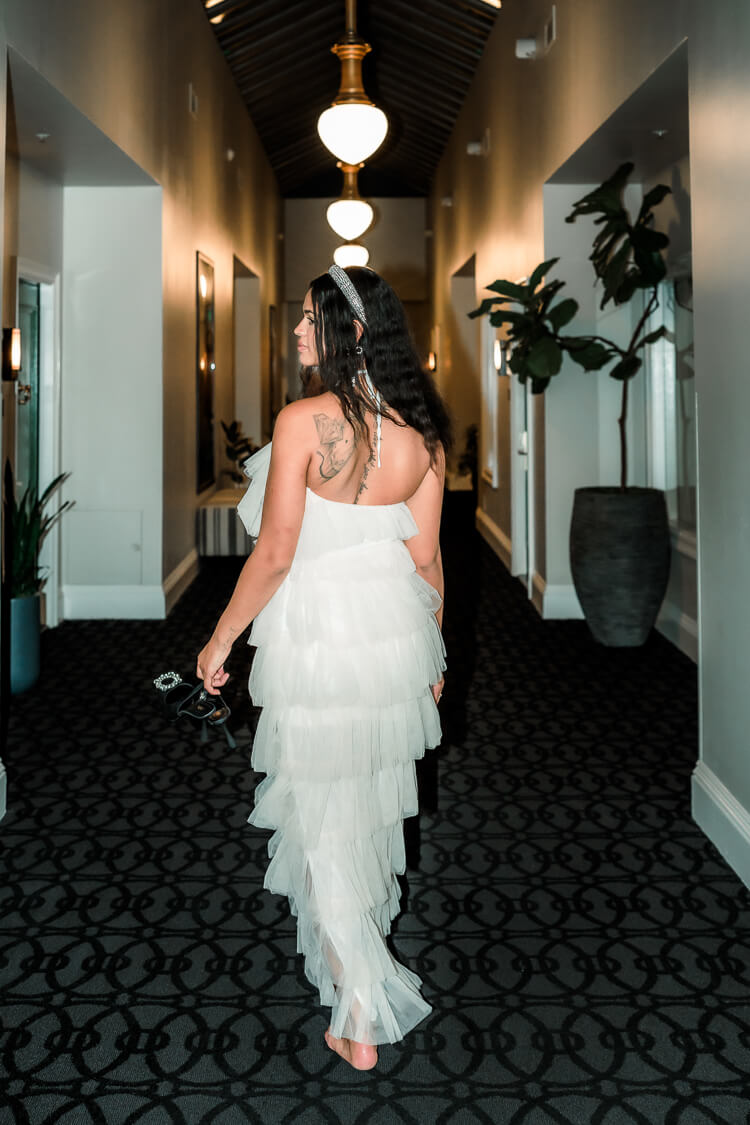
(361, 1056)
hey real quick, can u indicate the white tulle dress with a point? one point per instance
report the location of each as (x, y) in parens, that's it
(346, 650)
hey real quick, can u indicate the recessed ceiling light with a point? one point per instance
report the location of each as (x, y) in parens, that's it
(660, 133)
(494, 3)
(42, 137)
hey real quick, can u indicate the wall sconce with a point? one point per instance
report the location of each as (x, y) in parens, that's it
(432, 361)
(11, 353)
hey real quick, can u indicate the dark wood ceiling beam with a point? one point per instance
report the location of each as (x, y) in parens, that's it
(278, 18)
(273, 85)
(293, 70)
(294, 66)
(222, 8)
(430, 61)
(480, 11)
(404, 97)
(417, 33)
(398, 87)
(476, 19)
(307, 143)
(281, 32)
(422, 151)
(405, 157)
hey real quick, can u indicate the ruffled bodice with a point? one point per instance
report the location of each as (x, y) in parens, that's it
(327, 525)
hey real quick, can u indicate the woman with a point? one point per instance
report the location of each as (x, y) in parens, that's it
(344, 587)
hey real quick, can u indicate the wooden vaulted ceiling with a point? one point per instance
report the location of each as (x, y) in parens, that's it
(424, 55)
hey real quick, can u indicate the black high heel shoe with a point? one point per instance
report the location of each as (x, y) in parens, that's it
(179, 697)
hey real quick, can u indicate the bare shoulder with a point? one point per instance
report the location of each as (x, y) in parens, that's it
(294, 416)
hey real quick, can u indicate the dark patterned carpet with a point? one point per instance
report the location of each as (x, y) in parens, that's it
(586, 950)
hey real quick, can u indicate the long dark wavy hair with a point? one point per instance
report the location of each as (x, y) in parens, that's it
(387, 352)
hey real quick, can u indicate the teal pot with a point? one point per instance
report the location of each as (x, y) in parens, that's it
(619, 557)
(24, 643)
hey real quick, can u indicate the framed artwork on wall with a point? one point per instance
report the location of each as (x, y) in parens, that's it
(205, 368)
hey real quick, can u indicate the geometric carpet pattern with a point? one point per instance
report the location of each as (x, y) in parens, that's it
(586, 950)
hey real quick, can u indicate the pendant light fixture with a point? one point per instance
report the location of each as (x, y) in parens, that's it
(350, 215)
(352, 254)
(353, 127)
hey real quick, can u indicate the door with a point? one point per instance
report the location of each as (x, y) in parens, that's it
(37, 440)
(27, 389)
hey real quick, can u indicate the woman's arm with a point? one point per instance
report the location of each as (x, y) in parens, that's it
(271, 559)
(426, 505)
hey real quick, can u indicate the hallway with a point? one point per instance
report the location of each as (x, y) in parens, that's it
(585, 948)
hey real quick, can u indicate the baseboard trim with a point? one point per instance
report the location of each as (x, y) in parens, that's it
(177, 582)
(96, 603)
(684, 542)
(726, 822)
(555, 603)
(680, 629)
(494, 536)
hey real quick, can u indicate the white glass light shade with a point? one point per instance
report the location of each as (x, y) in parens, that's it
(352, 131)
(351, 255)
(349, 218)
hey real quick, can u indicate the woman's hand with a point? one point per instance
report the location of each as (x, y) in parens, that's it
(210, 666)
(437, 689)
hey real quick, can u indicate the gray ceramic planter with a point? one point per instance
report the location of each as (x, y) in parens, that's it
(619, 557)
(24, 643)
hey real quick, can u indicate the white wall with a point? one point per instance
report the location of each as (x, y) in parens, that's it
(40, 227)
(396, 242)
(112, 402)
(539, 114)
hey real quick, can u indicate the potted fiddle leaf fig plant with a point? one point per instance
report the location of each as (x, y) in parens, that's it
(27, 524)
(619, 540)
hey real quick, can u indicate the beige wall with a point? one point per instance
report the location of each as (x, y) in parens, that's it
(126, 67)
(396, 241)
(539, 113)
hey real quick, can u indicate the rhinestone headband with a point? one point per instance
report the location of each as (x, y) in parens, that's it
(353, 298)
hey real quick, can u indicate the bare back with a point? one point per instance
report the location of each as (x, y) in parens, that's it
(343, 465)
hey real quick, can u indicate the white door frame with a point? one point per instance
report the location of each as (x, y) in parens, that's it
(488, 435)
(521, 480)
(49, 411)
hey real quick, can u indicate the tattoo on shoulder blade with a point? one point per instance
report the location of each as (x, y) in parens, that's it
(336, 444)
(365, 472)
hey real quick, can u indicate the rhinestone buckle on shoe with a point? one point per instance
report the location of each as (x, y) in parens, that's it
(167, 680)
